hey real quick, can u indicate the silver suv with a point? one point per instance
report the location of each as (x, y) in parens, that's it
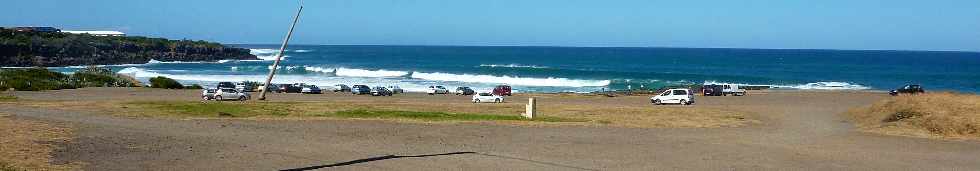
(230, 94)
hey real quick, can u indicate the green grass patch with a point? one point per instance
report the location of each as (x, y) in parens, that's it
(213, 109)
(8, 98)
(441, 116)
(252, 109)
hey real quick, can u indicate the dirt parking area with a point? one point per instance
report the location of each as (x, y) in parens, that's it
(795, 131)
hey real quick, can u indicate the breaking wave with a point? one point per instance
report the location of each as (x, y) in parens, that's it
(827, 85)
(512, 66)
(552, 82)
(270, 54)
(350, 72)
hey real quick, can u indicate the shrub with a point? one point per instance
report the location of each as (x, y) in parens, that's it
(33, 79)
(942, 114)
(164, 82)
(195, 86)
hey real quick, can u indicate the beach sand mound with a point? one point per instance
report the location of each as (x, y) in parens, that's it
(933, 115)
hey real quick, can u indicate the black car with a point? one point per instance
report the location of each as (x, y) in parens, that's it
(911, 89)
(381, 91)
(222, 85)
(289, 88)
(464, 91)
(712, 90)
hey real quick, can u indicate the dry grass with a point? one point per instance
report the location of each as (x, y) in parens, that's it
(26, 145)
(935, 115)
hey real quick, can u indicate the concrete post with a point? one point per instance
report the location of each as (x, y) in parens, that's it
(531, 109)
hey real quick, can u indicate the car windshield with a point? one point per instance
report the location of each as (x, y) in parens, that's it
(485, 94)
(440, 87)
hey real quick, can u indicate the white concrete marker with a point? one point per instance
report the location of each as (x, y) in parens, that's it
(530, 111)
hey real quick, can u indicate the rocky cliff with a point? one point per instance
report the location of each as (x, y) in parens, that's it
(27, 49)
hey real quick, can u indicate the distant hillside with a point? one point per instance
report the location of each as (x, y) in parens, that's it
(26, 49)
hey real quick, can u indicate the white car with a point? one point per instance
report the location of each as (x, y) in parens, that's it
(674, 96)
(487, 98)
(437, 90)
(732, 89)
(230, 94)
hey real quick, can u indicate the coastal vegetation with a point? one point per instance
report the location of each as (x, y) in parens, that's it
(37, 79)
(51, 49)
(942, 115)
(164, 82)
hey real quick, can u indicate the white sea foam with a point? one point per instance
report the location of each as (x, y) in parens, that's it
(270, 54)
(349, 72)
(511, 66)
(512, 80)
(828, 85)
(301, 51)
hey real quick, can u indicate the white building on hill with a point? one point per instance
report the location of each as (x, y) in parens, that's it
(96, 33)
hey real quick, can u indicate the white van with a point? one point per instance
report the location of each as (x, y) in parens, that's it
(674, 96)
(732, 89)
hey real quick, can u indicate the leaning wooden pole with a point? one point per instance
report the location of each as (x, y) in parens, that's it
(282, 51)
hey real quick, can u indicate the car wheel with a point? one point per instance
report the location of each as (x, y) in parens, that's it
(683, 102)
(476, 101)
(496, 100)
(656, 102)
(241, 98)
(205, 98)
(218, 98)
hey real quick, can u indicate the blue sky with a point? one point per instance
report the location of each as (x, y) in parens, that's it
(823, 24)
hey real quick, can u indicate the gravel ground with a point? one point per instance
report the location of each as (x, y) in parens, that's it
(798, 130)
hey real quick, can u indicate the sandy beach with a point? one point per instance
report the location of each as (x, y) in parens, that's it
(790, 130)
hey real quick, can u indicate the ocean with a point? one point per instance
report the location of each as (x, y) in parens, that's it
(580, 69)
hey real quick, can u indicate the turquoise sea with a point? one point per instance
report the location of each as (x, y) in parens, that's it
(581, 69)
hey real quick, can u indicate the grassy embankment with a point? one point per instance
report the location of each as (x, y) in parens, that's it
(934, 115)
(308, 109)
(646, 117)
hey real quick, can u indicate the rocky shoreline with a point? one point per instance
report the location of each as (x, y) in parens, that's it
(54, 49)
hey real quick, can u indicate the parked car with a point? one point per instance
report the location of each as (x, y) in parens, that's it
(381, 91)
(208, 93)
(437, 90)
(341, 88)
(222, 85)
(245, 86)
(712, 90)
(230, 94)
(732, 89)
(910, 89)
(464, 91)
(487, 98)
(289, 88)
(360, 89)
(674, 96)
(271, 88)
(396, 89)
(310, 89)
(503, 90)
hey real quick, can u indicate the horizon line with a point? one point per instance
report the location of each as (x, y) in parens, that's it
(561, 46)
